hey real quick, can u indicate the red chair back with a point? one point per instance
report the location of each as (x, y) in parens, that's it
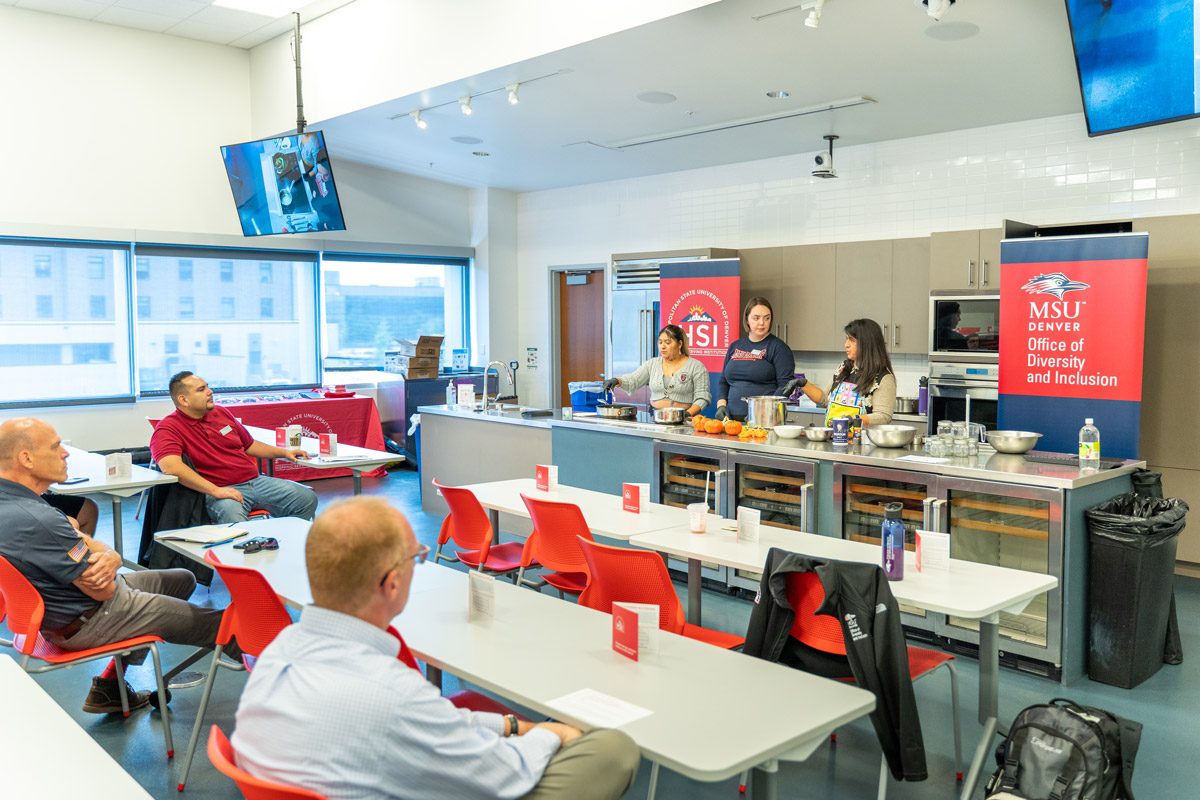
(557, 529)
(255, 614)
(819, 631)
(24, 607)
(624, 575)
(469, 525)
(220, 753)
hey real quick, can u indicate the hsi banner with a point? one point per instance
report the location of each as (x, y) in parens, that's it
(702, 297)
(1072, 329)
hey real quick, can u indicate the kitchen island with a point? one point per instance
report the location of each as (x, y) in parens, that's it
(1000, 509)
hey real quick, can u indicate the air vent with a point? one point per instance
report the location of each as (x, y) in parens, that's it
(635, 274)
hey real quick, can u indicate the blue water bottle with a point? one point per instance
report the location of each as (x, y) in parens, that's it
(893, 542)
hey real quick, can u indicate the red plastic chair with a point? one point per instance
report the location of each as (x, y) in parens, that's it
(220, 753)
(255, 616)
(22, 603)
(468, 699)
(620, 574)
(823, 632)
(554, 544)
(469, 527)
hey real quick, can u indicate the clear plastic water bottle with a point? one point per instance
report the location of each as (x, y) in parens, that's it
(1089, 444)
(893, 542)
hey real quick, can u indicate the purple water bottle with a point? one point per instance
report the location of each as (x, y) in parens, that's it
(893, 542)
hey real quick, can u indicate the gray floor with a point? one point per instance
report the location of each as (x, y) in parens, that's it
(1167, 763)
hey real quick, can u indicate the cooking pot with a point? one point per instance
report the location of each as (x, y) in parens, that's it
(670, 416)
(616, 410)
(906, 405)
(765, 410)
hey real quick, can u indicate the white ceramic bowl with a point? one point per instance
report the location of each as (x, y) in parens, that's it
(788, 431)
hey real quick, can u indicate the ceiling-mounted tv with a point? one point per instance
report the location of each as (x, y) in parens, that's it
(1137, 61)
(283, 185)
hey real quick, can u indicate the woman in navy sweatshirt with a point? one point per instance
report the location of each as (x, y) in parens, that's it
(758, 363)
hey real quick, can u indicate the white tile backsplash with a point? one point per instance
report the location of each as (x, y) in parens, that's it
(1041, 171)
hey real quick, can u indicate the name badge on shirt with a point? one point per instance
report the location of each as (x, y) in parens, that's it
(225, 431)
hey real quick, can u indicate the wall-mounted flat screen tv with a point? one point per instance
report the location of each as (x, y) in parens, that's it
(283, 185)
(1137, 61)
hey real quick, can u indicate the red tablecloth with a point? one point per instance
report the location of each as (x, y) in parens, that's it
(355, 420)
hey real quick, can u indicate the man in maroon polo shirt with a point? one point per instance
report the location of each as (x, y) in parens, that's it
(223, 458)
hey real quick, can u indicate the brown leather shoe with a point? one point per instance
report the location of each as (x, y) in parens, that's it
(105, 697)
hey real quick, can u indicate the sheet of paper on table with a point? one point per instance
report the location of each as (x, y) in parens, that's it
(598, 709)
(204, 534)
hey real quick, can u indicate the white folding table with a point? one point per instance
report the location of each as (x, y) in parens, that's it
(84, 464)
(968, 590)
(537, 648)
(46, 754)
(356, 459)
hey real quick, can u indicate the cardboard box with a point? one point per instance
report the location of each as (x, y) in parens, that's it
(416, 362)
(423, 347)
(419, 374)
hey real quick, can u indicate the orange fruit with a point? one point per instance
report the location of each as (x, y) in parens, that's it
(760, 433)
(732, 427)
(713, 426)
(698, 423)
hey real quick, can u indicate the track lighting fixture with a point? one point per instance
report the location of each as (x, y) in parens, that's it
(513, 96)
(464, 104)
(813, 19)
(417, 119)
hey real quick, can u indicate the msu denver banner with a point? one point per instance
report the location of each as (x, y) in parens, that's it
(1072, 314)
(703, 298)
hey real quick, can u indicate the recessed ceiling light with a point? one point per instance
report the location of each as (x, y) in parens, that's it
(480, 153)
(466, 139)
(657, 98)
(263, 8)
(952, 31)
(778, 94)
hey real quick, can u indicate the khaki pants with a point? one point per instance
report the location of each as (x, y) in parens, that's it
(599, 765)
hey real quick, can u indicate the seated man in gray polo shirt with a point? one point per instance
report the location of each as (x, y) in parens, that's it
(88, 604)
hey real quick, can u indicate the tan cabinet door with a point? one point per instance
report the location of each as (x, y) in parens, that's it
(989, 258)
(807, 288)
(910, 296)
(864, 283)
(954, 260)
(760, 278)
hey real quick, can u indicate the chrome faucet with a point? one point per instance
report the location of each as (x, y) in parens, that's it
(500, 365)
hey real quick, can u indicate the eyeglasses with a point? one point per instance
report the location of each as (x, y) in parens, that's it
(419, 557)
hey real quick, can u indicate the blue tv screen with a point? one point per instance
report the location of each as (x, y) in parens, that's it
(1137, 61)
(283, 185)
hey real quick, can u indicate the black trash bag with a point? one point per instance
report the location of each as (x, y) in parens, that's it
(1149, 484)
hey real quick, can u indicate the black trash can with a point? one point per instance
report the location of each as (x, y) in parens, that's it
(1133, 541)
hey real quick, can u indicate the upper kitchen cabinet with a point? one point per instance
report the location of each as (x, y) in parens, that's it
(760, 274)
(910, 296)
(965, 260)
(807, 286)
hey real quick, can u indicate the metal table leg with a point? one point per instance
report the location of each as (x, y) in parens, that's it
(764, 781)
(989, 699)
(494, 518)
(433, 675)
(118, 537)
(357, 482)
(694, 587)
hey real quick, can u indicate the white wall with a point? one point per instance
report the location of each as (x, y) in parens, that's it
(373, 51)
(495, 288)
(1041, 171)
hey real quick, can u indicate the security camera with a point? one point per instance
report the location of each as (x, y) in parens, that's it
(936, 9)
(824, 161)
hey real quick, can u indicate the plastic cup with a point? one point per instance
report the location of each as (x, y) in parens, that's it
(697, 517)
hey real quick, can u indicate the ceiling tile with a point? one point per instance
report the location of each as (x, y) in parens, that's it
(69, 8)
(231, 18)
(192, 29)
(179, 9)
(129, 18)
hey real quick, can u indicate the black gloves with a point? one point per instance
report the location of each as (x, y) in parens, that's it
(793, 385)
(610, 384)
(722, 413)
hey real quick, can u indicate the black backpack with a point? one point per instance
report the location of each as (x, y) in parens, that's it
(1064, 751)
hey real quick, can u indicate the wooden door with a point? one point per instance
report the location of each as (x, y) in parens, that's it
(910, 296)
(581, 328)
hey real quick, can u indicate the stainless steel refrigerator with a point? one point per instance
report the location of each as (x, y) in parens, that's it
(633, 324)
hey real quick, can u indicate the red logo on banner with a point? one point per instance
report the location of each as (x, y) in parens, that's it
(1064, 329)
(707, 313)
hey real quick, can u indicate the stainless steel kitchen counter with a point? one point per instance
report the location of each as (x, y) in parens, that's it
(988, 466)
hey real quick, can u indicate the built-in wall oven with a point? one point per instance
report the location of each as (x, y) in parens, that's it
(964, 327)
(963, 391)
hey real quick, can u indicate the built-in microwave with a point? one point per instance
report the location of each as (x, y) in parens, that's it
(964, 327)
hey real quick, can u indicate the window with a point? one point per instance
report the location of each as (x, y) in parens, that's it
(143, 306)
(266, 272)
(64, 339)
(185, 269)
(143, 268)
(267, 331)
(370, 302)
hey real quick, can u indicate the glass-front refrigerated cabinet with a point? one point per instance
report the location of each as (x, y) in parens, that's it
(1007, 525)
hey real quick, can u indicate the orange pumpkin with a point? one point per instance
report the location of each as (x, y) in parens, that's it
(732, 427)
(713, 426)
(698, 423)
